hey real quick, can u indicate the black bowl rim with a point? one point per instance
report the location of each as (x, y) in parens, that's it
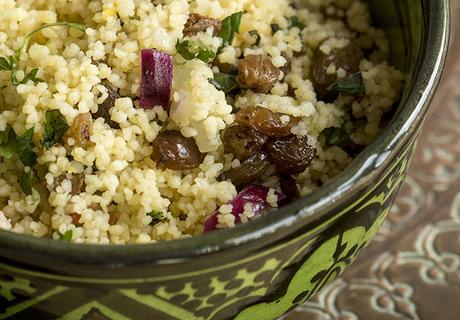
(307, 210)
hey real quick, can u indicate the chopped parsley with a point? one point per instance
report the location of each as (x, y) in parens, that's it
(55, 128)
(10, 63)
(350, 86)
(7, 143)
(224, 82)
(26, 182)
(230, 27)
(194, 50)
(335, 136)
(157, 216)
(24, 148)
(67, 236)
(295, 23)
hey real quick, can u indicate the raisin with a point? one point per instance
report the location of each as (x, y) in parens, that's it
(78, 184)
(289, 187)
(250, 170)
(291, 155)
(266, 121)
(103, 110)
(257, 72)
(243, 141)
(197, 23)
(171, 150)
(348, 58)
(81, 131)
(75, 218)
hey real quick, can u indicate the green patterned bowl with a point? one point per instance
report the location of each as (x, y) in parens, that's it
(260, 270)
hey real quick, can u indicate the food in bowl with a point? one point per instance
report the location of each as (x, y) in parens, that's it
(141, 121)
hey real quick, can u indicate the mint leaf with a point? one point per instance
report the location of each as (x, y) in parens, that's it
(350, 86)
(224, 82)
(32, 75)
(295, 23)
(25, 146)
(67, 236)
(335, 136)
(55, 128)
(156, 216)
(26, 182)
(230, 27)
(194, 50)
(7, 143)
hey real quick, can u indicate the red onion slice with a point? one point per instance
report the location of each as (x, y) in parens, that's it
(254, 194)
(156, 81)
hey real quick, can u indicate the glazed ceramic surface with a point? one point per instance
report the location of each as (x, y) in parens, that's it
(260, 270)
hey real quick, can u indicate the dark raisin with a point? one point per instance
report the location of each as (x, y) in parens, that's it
(171, 150)
(275, 28)
(265, 121)
(291, 155)
(287, 68)
(78, 183)
(103, 110)
(75, 218)
(250, 170)
(113, 217)
(348, 58)
(257, 72)
(198, 23)
(243, 141)
(289, 188)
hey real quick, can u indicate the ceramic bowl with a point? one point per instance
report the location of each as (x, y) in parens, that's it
(260, 270)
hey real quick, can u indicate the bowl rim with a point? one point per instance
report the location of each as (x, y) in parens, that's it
(364, 169)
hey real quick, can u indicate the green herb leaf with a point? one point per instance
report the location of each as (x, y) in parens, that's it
(69, 25)
(4, 64)
(26, 182)
(350, 86)
(10, 63)
(7, 143)
(32, 75)
(156, 216)
(295, 23)
(4, 135)
(224, 82)
(67, 236)
(194, 50)
(25, 146)
(335, 136)
(257, 36)
(55, 128)
(230, 27)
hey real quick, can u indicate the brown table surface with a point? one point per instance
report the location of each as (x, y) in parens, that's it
(412, 269)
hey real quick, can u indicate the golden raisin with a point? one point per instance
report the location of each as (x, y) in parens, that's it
(243, 141)
(257, 72)
(266, 121)
(197, 23)
(171, 150)
(81, 131)
(291, 155)
(250, 170)
(348, 58)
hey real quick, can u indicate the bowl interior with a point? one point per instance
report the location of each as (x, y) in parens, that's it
(418, 33)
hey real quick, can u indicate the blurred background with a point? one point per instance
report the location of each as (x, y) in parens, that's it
(412, 269)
